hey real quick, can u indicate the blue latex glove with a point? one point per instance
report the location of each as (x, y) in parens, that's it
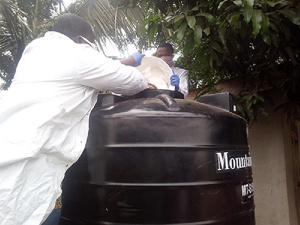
(137, 58)
(175, 80)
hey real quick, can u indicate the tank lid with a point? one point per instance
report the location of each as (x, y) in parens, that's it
(108, 98)
(152, 93)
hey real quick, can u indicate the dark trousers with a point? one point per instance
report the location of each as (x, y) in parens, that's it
(53, 218)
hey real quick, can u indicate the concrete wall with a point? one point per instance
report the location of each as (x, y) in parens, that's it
(272, 171)
(273, 167)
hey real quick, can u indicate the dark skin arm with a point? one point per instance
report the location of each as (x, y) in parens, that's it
(129, 61)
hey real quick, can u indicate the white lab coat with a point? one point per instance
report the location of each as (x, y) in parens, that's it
(44, 121)
(184, 80)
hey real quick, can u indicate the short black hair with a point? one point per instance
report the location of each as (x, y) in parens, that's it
(166, 45)
(72, 25)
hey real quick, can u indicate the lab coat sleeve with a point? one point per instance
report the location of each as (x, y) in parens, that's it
(184, 83)
(104, 73)
(184, 80)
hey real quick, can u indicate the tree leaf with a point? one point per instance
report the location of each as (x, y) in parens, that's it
(248, 104)
(263, 112)
(191, 20)
(241, 110)
(234, 18)
(189, 46)
(207, 31)
(196, 8)
(274, 27)
(260, 98)
(181, 31)
(256, 21)
(247, 13)
(178, 17)
(216, 46)
(238, 2)
(254, 101)
(198, 34)
(153, 28)
(291, 15)
(250, 2)
(184, 9)
(273, 4)
(208, 16)
(221, 4)
(222, 32)
(267, 40)
(264, 25)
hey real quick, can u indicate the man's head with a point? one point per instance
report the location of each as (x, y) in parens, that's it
(74, 27)
(165, 52)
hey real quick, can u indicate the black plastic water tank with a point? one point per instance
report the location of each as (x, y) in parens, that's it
(161, 160)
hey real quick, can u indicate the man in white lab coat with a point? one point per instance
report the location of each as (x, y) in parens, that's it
(180, 77)
(44, 115)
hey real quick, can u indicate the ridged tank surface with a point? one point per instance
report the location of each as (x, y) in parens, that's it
(161, 160)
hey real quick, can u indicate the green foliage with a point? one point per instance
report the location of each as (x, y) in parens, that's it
(118, 22)
(20, 22)
(249, 104)
(255, 41)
